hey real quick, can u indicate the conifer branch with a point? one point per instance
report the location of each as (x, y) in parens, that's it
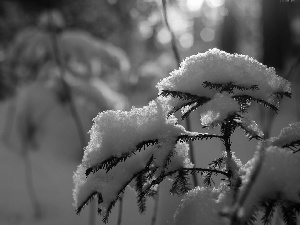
(197, 136)
(289, 213)
(192, 99)
(269, 207)
(121, 191)
(88, 200)
(229, 87)
(112, 161)
(251, 132)
(181, 171)
(283, 94)
(248, 98)
(179, 94)
(294, 146)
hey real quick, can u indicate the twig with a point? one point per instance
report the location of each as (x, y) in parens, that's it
(238, 205)
(155, 210)
(30, 187)
(120, 211)
(178, 60)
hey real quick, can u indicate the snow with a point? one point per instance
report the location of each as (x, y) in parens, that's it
(279, 175)
(117, 132)
(217, 66)
(287, 135)
(108, 184)
(202, 205)
(218, 109)
(181, 158)
(55, 161)
(250, 126)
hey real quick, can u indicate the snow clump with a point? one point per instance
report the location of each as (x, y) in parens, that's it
(279, 175)
(287, 135)
(219, 67)
(115, 133)
(203, 205)
(218, 109)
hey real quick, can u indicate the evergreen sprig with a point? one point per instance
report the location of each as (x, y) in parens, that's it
(197, 136)
(229, 125)
(289, 211)
(194, 101)
(121, 191)
(88, 200)
(142, 178)
(215, 164)
(181, 183)
(229, 87)
(245, 99)
(112, 161)
(283, 94)
(269, 207)
(294, 146)
(251, 131)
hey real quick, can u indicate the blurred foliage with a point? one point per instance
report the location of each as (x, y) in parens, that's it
(136, 27)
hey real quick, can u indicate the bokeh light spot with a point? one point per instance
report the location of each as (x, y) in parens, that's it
(207, 34)
(186, 40)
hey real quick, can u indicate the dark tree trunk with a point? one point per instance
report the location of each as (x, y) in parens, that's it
(276, 32)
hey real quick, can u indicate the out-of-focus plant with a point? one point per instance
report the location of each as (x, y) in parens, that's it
(47, 67)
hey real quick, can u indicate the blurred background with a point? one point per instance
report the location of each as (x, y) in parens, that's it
(64, 61)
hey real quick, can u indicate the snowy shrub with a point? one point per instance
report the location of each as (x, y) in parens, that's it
(143, 146)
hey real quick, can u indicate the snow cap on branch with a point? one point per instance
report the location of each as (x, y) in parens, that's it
(108, 184)
(116, 133)
(202, 205)
(218, 67)
(288, 135)
(278, 176)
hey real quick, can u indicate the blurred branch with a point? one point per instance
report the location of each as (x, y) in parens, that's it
(30, 185)
(67, 90)
(178, 60)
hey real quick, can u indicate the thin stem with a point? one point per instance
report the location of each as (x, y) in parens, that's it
(227, 143)
(178, 60)
(207, 170)
(173, 42)
(192, 155)
(62, 67)
(93, 212)
(30, 187)
(155, 210)
(120, 211)
(244, 194)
